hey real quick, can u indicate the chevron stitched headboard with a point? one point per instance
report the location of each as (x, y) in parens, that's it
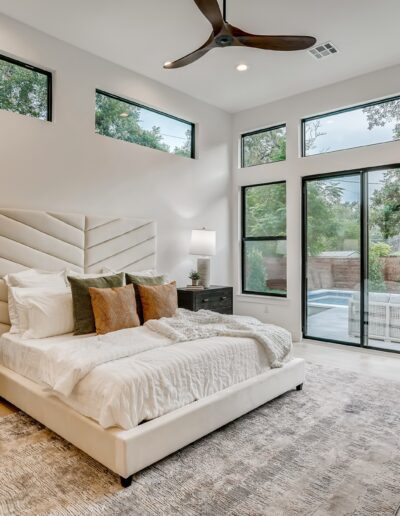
(84, 243)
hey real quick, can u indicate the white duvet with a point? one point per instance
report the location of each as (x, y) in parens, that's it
(134, 375)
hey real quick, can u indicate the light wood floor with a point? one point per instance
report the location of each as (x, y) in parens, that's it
(374, 363)
(6, 408)
(370, 362)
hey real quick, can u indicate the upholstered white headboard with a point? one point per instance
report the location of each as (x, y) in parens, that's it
(85, 243)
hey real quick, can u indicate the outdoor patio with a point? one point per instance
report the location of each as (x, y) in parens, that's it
(332, 323)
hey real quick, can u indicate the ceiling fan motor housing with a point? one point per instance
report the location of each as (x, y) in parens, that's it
(224, 41)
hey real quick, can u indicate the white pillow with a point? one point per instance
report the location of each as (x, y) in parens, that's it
(30, 278)
(50, 313)
(35, 278)
(18, 303)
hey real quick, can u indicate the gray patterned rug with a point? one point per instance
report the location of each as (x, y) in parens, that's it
(332, 449)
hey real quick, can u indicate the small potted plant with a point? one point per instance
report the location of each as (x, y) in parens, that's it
(195, 277)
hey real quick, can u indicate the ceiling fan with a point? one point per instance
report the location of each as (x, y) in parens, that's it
(226, 35)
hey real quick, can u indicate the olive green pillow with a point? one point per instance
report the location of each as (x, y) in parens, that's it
(142, 280)
(81, 300)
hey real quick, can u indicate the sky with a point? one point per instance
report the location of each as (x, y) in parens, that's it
(173, 131)
(351, 185)
(347, 130)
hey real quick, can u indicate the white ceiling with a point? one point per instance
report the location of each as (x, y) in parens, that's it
(143, 34)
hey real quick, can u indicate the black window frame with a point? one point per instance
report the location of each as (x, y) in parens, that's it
(338, 112)
(257, 239)
(252, 133)
(142, 106)
(49, 76)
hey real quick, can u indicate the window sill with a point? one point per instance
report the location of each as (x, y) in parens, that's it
(254, 298)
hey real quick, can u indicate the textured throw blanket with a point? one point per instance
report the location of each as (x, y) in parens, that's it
(187, 325)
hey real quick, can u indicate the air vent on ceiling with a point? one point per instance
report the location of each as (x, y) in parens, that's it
(324, 50)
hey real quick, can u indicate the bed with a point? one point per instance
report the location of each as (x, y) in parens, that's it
(124, 440)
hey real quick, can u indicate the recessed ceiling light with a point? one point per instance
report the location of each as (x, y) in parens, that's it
(241, 67)
(167, 63)
(124, 115)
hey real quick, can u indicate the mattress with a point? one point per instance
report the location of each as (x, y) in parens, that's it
(138, 388)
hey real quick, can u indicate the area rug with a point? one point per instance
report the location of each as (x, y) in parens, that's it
(331, 449)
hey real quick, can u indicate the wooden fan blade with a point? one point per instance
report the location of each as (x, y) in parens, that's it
(193, 56)
(211, 10)
(283, 43)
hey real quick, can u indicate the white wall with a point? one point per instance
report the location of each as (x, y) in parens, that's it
(287, 312)
(65, 166)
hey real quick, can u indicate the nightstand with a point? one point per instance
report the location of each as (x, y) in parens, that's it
(217, 299)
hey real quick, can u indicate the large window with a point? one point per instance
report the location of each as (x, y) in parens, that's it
(264, 146)
(264, 239)
(125, 120)
(377, 122)
(25, 89)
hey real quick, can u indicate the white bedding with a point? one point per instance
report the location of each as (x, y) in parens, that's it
(148, 384)
(25, 356)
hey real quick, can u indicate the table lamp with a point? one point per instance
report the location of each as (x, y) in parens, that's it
(203, 244)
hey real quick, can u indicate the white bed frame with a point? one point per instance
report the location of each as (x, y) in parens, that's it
(52, 241)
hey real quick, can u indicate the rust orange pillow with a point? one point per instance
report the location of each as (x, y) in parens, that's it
(114, 308)
(158, 300)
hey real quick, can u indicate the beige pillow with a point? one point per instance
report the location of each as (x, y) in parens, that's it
(142, 280)
(114, 308)
(158, 300)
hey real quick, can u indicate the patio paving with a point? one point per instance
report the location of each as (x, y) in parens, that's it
(332, 324)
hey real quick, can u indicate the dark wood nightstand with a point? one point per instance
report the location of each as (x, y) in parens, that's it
(218, 299)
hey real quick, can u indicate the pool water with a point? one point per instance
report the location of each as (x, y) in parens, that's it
(329, 298)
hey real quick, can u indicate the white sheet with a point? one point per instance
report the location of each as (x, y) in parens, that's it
(127, 391)
(25, 356)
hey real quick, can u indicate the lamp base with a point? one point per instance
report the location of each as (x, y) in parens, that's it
(203, 268)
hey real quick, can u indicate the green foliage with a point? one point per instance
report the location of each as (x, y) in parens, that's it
(375, 266)
(121, 120)
(266, 210)
(265, 147)
(186, 149)
(330, 221)
(381, 114)
(380, 249)
(256, 273)
(385, 205)
(23, 91)
(194, 275)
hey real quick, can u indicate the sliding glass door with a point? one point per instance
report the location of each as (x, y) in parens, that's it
(383, 260)
(351, 258)
(332, 257)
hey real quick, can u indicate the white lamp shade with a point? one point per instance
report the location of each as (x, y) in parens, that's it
(203, 242)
